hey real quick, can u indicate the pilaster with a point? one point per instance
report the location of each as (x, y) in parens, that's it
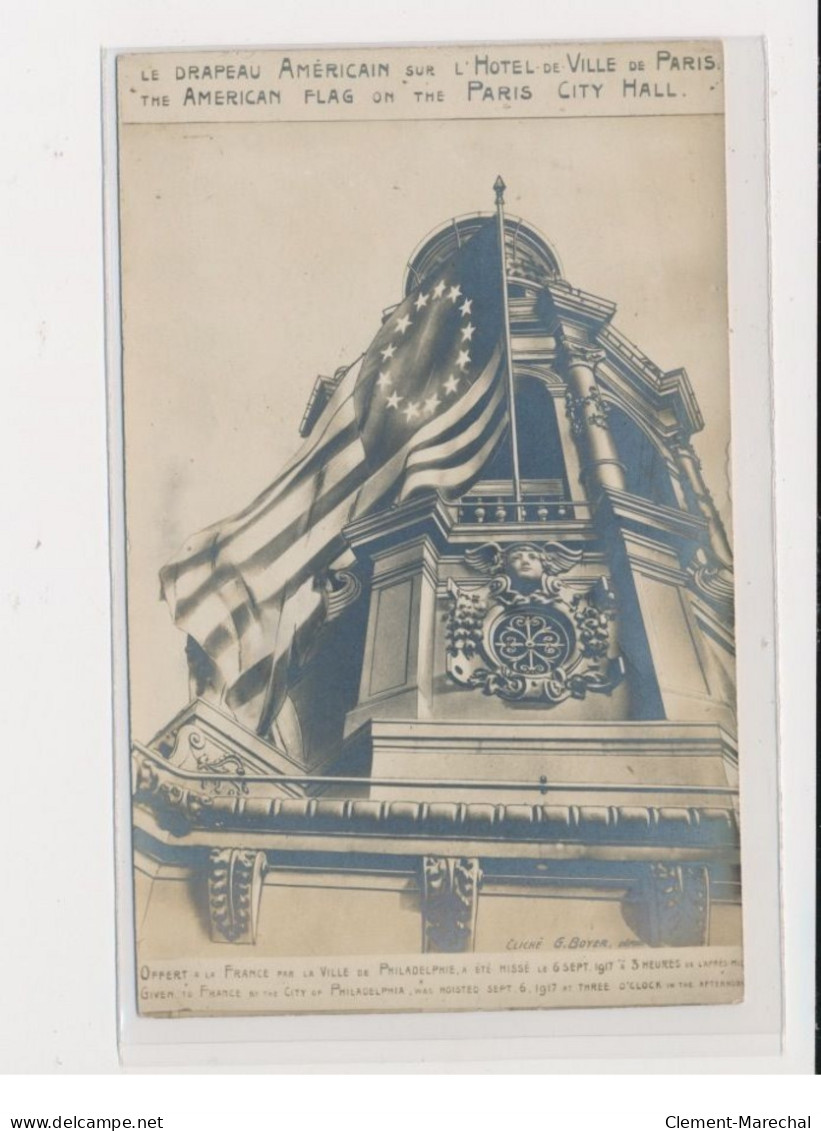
(398, 667)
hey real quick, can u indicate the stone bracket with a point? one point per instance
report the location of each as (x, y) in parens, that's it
(670, 905)
(450, 897)
(234, 892)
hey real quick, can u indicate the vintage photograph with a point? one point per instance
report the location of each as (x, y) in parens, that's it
(426, 416)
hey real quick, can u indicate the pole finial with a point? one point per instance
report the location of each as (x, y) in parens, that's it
(499, 187)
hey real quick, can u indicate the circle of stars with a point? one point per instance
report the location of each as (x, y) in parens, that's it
(457, 378)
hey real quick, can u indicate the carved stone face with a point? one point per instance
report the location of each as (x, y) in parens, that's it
(524, 562)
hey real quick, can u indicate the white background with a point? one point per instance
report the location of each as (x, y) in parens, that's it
(57, 974)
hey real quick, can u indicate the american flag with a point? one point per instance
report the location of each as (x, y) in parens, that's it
(425, 409)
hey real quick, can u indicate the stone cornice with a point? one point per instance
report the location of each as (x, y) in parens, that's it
(181, 809)
(676, 384)
(425, 515)
(712, 623)
(636, 511)
(664, 389)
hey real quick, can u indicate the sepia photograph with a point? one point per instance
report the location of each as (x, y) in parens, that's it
(408, 430)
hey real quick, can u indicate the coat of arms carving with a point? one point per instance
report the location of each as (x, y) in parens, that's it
(526, 635)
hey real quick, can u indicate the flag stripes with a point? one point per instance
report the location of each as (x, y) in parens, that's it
(424, 410)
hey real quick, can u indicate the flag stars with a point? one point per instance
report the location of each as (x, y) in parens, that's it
(388, 351)
(439, 289)
(403, 323)
(411, 410)
(467, 332)
(384, 380)
(432, 403)
(393, 400)
(421, 300)
(451, 384)
(463, 360)
(454, 292)
(465, 308)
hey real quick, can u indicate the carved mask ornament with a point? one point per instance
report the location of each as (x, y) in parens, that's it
(523, 635)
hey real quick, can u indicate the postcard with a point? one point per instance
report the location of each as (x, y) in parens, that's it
(426, 415)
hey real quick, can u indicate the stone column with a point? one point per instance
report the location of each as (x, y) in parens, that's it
(587, 413)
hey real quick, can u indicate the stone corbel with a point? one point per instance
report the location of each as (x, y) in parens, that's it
(450, 896)
(234, 892)
(690, 466)
(670, 905)
(585, 411)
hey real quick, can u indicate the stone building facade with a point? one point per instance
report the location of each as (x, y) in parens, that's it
(518, 720)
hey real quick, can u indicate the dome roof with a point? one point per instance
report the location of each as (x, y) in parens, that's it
(530, 258)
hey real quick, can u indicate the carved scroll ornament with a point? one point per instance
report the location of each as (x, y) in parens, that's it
(670, 905)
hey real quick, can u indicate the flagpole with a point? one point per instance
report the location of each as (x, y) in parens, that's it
(499, 188)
